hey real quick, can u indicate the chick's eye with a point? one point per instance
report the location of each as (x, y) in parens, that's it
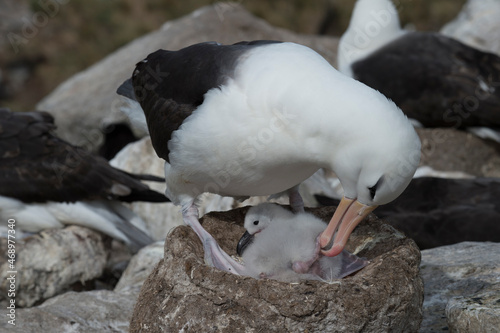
(255, 222)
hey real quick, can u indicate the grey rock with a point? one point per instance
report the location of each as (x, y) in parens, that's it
(184, 294)
(448, 149)
(85, 103)
(478, 313)
(139, 267)
(92, 311)
(454, 275)
(48, 263)
(89, 312)
(477, 25)
(140, 157)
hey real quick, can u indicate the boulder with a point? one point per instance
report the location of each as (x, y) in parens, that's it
(448, 149)
(48, 263)
(87, 103)
(91, 311)
(140, 157)
(184, 294)
(477, 25)
(461, 288)
(139, 267)
(477, 313)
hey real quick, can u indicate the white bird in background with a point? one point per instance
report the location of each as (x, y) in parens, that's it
(281, 245)
(47, 183)
(258, 118)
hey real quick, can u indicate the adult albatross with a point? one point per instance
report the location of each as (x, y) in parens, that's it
(258, 118)
(435, 79)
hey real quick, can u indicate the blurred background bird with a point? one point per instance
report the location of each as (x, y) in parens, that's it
(436, 80)
(46, 182)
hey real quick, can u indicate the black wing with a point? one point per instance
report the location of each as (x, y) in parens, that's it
(36, 166)
(436, 80)
(170, 85)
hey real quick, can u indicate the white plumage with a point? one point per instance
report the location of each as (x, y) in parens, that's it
(283, 111)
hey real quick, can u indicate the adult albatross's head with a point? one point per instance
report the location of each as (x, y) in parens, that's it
(375, 161)
(372, 175)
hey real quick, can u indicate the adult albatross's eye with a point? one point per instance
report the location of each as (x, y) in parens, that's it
(255, 222)
(373, 190)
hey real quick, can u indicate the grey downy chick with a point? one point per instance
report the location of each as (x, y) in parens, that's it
(281, 245)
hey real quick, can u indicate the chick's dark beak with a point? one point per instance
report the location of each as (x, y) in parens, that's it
(244, 241)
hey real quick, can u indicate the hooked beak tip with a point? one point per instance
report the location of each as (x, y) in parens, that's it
(347, 216)
(333, 250)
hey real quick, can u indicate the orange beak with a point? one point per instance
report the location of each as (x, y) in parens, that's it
(347, 216)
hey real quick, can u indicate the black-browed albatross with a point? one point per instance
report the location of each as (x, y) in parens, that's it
(433, 78)
(46, 182)
(258, 118)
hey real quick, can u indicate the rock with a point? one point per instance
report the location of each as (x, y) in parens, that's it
(48, 263)
(477, 25)
(87, 101)
(448, 149)
(140, 157)
(184, 294)
(91, 312)
(140, 267)
(456, 275)
(479, 313)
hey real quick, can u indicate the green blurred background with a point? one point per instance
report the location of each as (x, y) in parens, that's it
(79, 33)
